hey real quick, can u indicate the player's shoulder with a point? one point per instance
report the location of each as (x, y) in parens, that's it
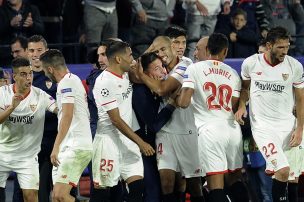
(184, 62)
(251, 60)
(105, 79)
(293, 61)
(7, 88)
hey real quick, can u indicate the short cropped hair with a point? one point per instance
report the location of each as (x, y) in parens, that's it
(20, 62)
(239, 11)
(147, 59)
(116, 47)
(53, 58)
(36, 39)
(175, 31)
(277, 33)
(216, 43)
(22, 40)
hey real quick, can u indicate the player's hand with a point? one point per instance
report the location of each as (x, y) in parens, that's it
(241, 112)
(201, 8)
(296, 137)
(15, 21)
(17, 98)
(28, 21)
(146, 149)
(54, 156)
(142, 16)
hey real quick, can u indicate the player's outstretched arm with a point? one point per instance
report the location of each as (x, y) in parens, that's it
(17, 98)
(296, 137)
(244, 97)
(119, 123)
(64, 125)
(184, 99)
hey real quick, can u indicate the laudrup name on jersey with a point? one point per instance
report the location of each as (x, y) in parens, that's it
(127, 93)
(269, 86)
(21, 119)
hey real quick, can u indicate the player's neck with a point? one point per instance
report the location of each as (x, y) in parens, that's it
(271, 60)
(115, 70)
(23, 91)
(216, 57)
(60, 74)
(173, 63)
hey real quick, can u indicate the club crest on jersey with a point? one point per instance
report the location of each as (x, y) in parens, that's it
(33, 107)
(104, 92)
(48, 84)
(285, 76)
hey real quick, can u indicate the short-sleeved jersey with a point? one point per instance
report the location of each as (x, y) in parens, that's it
(182, 120)
(71, 90)
(113, 91)
(21, 133)
(214, 84)
(271, 91)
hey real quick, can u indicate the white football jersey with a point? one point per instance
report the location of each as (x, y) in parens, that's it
(182, 120)
(71, 90)
(271, 91)
(21, 133)
(113, 91)
(214, 84)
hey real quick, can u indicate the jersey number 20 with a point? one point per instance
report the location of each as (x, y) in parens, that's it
(220, 96)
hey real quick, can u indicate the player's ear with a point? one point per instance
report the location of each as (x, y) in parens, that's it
(117, 59)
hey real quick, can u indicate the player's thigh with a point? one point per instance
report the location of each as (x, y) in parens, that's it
(213, 140)
(106, 161)
(234, 150)
(186, 149)
(165, 154)
(28, 174)
(270, 143)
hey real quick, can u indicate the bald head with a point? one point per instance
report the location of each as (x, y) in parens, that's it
(201, 53)
(162, 47)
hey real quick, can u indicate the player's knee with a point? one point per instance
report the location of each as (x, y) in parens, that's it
(167, 185)
(30, 196)
(283, 173)
(59, 195)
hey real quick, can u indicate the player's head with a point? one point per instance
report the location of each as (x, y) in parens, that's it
(3, 80)
(19, 47)
(178, 37)
(52, 63)
(218, 45)
(153, 66)
(239, 19)
(162, 47)
(201, 52)
(22, 73)
(36, 46)
(277, 43)
(262, 46)
(119, 54)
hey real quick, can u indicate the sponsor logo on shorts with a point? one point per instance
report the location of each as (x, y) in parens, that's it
(64, 176)
(197, 171)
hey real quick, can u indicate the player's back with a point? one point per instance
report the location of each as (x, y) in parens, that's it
(215, 84)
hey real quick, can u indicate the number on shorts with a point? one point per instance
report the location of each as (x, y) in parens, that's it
(269, 150)
(223, 94)
(160, 148)
(106, 165)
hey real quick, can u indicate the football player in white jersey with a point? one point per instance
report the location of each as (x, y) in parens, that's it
(274, 82)
(177, 146)
(116, 148)
(72, 149)
(213, 88)
(22, 114)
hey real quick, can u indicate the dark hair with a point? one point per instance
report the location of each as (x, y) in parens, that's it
(175, 31)
(262, 43)
(277, 33)
(216, 43)
(239, 11)
(92, 56)
(115, 47)
(36, 39)
(54, 58)
(20, 62)
(22, 40)
(147, 59)
(1, 73)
